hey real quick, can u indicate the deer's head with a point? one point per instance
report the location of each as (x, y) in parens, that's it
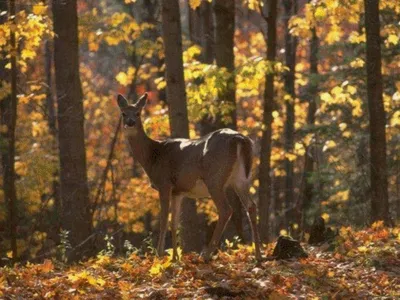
(131, 112)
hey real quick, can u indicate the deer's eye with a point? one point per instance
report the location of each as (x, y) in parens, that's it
(124, 114)
(138, 114)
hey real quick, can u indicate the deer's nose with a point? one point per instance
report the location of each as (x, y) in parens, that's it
(130, 122)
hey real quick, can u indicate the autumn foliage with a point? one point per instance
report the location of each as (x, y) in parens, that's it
(360, 264)
(121, 50)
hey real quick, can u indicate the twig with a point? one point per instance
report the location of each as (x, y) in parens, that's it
(109, 160)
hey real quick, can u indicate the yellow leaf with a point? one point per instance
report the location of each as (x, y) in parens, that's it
(328, 145)
(290, 156)
(326, 97)
(21, 168)
(112, 41)
(9, 254)
(357, 63)
(351, 89)
(26, 54)
(377, 225)
(346, 134)
(73, 278)
(320, 13)
(395, 120)
(122, 78)
(342, 126)
(362, 249)
(100, 281)
(393, 39)
(337, 90)
(39, 9)
(91, 280)
(194, 3)
(155, 269)
(325, 216)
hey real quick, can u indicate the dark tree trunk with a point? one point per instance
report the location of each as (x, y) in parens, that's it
(75, 214)
(206, 124)
(50, 106)
(8, 109)
(224, 12)
(176, 94)
(52, 124)
(207, 32)
(265, 155)
(290, 7)
(195, 24)
(377, 118)
(306, 192)
(144, 11)
(178, 117)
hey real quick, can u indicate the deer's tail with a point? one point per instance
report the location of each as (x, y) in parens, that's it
(245, 153)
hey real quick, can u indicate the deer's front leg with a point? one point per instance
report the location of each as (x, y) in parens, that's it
(175, 218)
(165, 196)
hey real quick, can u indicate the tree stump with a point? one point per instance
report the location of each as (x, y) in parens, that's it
(319, 234)
(286, 248)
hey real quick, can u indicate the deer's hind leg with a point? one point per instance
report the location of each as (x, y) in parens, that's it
(251, 212)
(224, 214)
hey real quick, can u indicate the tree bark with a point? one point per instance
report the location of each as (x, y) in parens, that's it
(206, 124)
(377, 118)
(8, 109)
(224, 12)
(75, 215)
(265, 155)
(176, 94)
(290, 8)
(306, 192)
(195, 24)
(178, 116)
(207, 32)
(50, 107)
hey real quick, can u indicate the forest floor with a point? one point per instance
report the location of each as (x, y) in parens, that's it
(358, 265)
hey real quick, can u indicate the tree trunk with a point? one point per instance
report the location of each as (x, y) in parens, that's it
(176, 94)
(178, 117)
(377, 118)
(206, 124)
(50, 107)
(207, 32)
(265, 155)
(75, 215)
(195, 24)
(306, 192)
(8, 109)
(224, 35)
(290, 7)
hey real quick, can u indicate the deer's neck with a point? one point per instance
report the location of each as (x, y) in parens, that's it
(142, 146)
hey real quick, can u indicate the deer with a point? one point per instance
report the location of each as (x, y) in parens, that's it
(193, 168)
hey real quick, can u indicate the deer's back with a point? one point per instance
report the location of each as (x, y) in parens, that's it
(192, 164)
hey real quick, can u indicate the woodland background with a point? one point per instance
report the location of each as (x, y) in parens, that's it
(317, 92)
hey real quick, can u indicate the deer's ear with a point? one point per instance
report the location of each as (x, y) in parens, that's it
(142, 101)
(122, 102)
